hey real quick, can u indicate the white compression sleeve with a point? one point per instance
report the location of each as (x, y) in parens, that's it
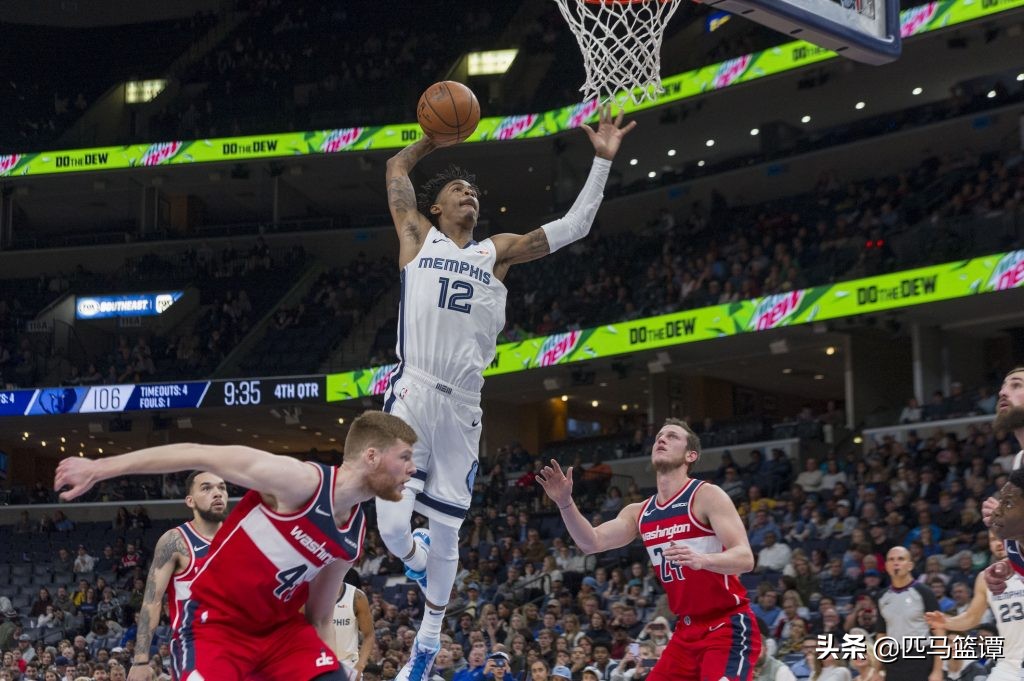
(577, 222)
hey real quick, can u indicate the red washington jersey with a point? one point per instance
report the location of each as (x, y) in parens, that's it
(260, 565)
(178, 588)
(696, 594)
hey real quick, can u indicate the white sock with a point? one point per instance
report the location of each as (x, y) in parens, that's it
(430, 628)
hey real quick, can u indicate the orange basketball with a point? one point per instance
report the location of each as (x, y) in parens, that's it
(448, 112)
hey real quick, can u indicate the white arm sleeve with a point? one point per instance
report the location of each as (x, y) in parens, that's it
(577, 222)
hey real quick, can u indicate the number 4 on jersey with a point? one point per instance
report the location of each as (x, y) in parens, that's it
(288, 580)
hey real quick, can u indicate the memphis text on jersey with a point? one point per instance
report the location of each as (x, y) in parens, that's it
(455, 266)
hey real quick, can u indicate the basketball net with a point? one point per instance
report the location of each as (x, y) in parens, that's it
(621, 45)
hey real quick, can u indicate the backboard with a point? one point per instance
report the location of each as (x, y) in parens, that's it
(863, 30)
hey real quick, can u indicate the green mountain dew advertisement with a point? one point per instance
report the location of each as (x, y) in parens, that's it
(921, 19)
(986, 274)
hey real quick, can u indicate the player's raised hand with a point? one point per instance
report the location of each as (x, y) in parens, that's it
(609, 134)
(988, 507)
(936, 622)
(682, 554)
(556, 484)
(76, 473)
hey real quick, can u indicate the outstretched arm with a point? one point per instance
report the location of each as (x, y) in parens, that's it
(286, 483)
(609, 535)
(722, 517)
(969, 618)
(170, 551)
(512, 249)
(411, 225)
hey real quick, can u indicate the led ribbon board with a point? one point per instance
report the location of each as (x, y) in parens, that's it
(987, 274)
(794, 55)
(910, 288)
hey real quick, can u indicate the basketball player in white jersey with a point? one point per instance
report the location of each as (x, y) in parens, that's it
(452, 309)
(352, 620)
(1008, 610)
(1009, 416)
(176, 558)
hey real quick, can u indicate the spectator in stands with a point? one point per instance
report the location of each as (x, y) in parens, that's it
(87, 606)
(757, 468)
(61, 523)
(733, 485)
(781, 470)
(935, 410)
(835, 583)
(762, 525)
(831, 668)
(833, 475)
(842, 524)
(793, 610)
(791, 636)
(42, 600)
(62, 600)
(766, 607)
(830, 623)
(873, 587)
(805, 581)
(83, 561)
(130, 560)
(810, 479)
(911, 413)
(774, 555)
(106, 561)
(121, 520)
(64, 561)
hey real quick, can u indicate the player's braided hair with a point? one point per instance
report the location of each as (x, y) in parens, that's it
(429, 190)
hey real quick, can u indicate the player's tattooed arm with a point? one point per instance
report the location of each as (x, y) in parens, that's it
(412, 227)
(402, 201)
(512, 249)
(170, 551)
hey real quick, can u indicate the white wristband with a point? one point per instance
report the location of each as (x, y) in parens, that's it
(577, 222)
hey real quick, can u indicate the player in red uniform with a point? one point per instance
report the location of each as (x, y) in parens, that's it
(176, 560)
(288, 543)
(697, 542)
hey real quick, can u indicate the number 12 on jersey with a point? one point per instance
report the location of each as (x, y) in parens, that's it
(459, 291)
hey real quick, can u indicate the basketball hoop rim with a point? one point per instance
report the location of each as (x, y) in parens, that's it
(622, 2)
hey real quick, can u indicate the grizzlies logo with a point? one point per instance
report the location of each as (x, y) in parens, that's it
(58, 400)
(471, 477)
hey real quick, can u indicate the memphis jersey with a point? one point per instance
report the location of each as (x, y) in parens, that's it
(1008, 609)
(179, 588)
(346, 628)
(261, 562)
(452, 310)
(698, 594)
